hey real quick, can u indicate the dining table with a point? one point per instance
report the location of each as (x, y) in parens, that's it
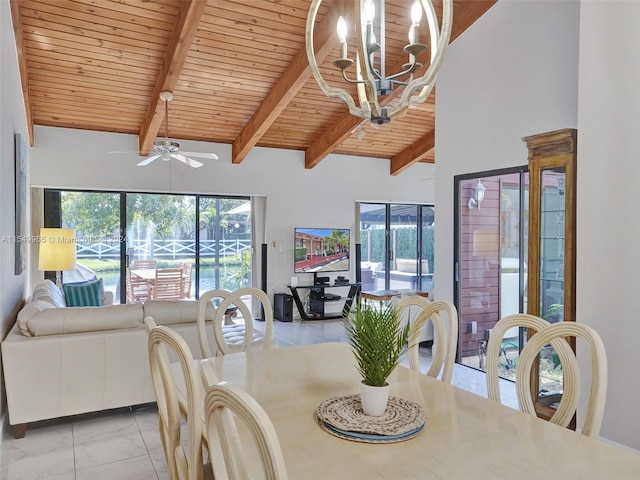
(465, 436)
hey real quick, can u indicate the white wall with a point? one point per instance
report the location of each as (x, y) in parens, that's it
(515, 73)
(511, 74)
(296, 197)
(608, 177)
(12, 121)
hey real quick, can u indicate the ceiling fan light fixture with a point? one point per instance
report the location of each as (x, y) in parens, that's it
(166, 149)
(371, 78)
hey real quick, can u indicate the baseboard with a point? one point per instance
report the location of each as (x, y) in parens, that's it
(619, 445)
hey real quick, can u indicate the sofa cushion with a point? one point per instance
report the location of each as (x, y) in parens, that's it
(86, 319)
(45, 295)
(30, 310)
(84, 295)
(49, 292)
(171, 312)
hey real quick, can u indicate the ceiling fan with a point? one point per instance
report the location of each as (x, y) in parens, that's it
(166, 149)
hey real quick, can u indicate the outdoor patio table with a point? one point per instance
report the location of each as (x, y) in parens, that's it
(465, 435)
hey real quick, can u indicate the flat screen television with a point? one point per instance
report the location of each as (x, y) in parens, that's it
(321, 250)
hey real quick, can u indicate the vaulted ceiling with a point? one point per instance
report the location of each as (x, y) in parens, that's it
(238, 71)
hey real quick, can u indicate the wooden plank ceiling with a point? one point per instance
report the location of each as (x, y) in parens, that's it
(237, 68)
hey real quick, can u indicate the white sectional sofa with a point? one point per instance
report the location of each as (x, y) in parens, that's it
(61, 361)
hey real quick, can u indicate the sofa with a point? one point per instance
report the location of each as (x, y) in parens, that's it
(60, 360)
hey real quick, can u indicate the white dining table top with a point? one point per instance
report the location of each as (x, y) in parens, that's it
(466, 436)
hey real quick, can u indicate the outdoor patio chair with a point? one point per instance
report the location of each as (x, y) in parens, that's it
(137, 288)
(187, 268)
(144, 264)
(168, 284)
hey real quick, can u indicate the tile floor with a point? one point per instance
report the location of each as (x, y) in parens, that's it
(124, 443)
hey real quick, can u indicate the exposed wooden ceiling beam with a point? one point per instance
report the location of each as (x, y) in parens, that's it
(177, 51)
(22, 66)
(464, 15)
(288, 85)
(413, 153)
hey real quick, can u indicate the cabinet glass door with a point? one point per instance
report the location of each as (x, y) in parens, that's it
(551, 283)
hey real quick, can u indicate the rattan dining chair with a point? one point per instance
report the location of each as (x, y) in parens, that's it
(215, 297)
(571, 376)
(243, 336)
(494, 346)
(181, 465)
(226, 404)
(445, 333)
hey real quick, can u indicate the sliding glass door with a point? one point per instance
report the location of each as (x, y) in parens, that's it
(209, 235)
(491, 268)
(397, 246)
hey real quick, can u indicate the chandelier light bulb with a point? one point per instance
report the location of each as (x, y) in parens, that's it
(369, 12)
(416, 13)
(342, 30)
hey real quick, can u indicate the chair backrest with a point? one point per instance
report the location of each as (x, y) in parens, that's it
(144, 264)
(187, 273)
(494, 345)
(137, 288)
(181, 465)
(221, 333)
(224, 405)
(445, 333)
(571, 376)
(168, 284)
(205, 298)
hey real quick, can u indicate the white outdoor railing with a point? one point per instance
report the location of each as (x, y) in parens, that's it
(171, 249)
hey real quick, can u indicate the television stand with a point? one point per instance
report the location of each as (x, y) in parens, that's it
(319, 296)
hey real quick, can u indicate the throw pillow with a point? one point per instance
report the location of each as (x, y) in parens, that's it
(103, 295)
(83, 295)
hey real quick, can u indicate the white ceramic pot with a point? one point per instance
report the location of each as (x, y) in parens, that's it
(374, 399)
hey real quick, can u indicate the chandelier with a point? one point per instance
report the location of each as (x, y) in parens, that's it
(371, 78)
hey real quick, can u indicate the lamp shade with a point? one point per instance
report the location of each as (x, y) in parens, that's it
(57, 249)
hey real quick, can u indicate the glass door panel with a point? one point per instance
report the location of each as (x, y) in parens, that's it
(161, 228)
(551, 282)
(96, 219)
(392, 238)
(224, 245)
(491, 263)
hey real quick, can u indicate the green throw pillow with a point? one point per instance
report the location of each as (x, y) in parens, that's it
(83, 295)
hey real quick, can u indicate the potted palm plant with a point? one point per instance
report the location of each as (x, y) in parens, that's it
(378, 341)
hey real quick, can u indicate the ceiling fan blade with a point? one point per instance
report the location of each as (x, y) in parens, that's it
(189, 161)
(211, 156)
(147, 161)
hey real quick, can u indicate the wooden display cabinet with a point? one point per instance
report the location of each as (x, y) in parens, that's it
(552, 248)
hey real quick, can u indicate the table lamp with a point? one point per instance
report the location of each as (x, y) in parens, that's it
(57, 251)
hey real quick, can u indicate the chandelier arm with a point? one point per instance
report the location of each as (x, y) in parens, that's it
(315, 71)
(441, 40)
(400, 74)
(347, 79)
(367, 92)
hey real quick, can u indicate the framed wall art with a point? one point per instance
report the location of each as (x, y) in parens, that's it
(20, 149)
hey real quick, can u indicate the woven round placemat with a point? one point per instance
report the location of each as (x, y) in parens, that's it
(345, 413)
